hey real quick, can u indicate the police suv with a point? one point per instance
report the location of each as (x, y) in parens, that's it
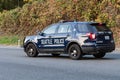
(73, 38)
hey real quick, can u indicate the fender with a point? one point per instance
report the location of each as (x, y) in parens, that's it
(30, 42)
(70, 43)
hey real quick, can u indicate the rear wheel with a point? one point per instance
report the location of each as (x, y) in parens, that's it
(31, 50)
(74, 52)
(99, 55)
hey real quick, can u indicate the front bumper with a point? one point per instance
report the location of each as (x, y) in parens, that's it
(96, 48)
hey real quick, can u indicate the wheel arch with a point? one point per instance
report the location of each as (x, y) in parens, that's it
(25, 45)
(71, 43)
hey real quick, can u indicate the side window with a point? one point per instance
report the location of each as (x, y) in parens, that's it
(69, 29)
(64, 28)
(51, 29)
(82, 28)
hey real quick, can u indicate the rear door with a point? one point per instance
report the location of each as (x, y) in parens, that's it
(46, 42)
(64, 31)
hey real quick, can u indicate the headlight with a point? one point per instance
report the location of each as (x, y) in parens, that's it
(35, 40)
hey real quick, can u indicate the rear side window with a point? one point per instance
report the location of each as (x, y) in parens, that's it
(82, 28)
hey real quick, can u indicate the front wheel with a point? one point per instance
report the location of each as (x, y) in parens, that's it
(99, 55)
(31, 50)
(74, 52)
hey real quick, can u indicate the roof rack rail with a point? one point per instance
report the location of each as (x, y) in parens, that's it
(63, 21)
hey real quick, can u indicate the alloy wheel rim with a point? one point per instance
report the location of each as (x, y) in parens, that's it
(31, 51)
(73, 52)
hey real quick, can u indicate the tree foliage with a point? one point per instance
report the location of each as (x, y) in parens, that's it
(37, 14)
(10, 4)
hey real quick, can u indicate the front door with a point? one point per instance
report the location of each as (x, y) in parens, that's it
(55, 38)
(45, 43)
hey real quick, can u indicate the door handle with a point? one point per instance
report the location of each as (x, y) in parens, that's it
(68, 35)
(50, 36)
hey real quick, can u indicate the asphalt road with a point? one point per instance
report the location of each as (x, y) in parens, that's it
(15, 65)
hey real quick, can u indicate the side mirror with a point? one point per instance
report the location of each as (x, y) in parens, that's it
(41, 34)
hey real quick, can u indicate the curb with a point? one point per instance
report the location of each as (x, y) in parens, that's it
(10, 46)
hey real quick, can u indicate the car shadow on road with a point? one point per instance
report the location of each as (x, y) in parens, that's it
(86, 57)
(92, 58)
(53, 57)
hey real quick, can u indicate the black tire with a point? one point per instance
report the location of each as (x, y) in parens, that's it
(74, 52)
(53, 54)
(99, 55)
(31, 50)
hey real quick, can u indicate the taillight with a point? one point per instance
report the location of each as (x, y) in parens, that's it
(91, 36)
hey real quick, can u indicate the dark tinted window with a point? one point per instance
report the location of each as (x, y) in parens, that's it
(91, 27)
(100, 27)
(95, 27)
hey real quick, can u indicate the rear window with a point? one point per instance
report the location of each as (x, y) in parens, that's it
(91, 27)
(100, 27)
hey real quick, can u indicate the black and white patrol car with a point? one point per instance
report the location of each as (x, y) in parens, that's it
(73, 38)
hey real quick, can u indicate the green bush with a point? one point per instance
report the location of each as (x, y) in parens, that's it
(9, 40)
(38, 14)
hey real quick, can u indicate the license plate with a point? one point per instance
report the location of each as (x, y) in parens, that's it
(107, 37)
